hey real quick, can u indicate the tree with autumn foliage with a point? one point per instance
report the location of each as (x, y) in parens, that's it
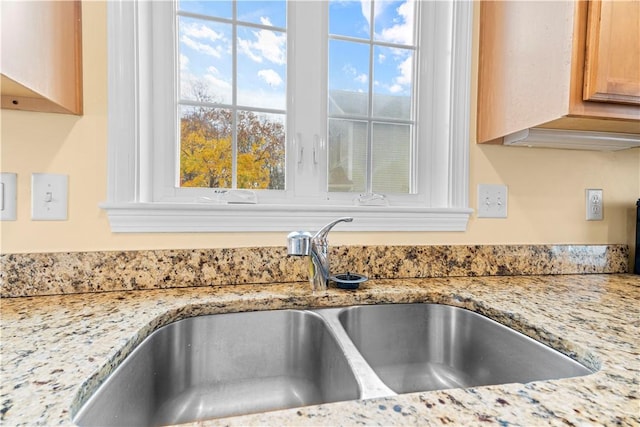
(206, 144)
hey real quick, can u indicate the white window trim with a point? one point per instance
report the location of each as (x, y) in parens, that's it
(130, 205)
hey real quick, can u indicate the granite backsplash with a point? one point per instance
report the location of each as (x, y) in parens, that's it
(78, 272)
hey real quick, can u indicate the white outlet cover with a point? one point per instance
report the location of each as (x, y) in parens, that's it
(594, 204)
(49, 197)
(8, 196)
(492, 201)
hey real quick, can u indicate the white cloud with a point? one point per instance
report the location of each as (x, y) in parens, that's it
(217, 89)
(396, 88)
(365, 6)
(204, 39)
(406, 71)
(268, 45)
(266, 98)
(349, 69)
(245, 46)
(201, 31)
(207, 49)
(401, 32)
(401, 82)
(184, 62)
(271, 77)
(362, 78)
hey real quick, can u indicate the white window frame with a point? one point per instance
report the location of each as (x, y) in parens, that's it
(137, 162)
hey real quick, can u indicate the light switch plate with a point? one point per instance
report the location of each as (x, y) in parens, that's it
(492, 201)
(8, 196)
(49, 197)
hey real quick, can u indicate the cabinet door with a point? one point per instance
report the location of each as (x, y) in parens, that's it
(612, 66)
(41, 56)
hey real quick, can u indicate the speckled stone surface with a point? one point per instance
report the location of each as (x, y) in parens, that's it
(56, 349)
(65, 273)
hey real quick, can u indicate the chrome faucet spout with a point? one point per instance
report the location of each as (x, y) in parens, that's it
(301, 243)
(322, 234)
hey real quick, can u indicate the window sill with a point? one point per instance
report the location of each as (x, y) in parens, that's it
(195, 217)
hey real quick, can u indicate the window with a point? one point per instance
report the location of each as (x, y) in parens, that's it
(317, 115)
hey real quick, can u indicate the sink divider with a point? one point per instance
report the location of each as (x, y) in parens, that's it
(371, 386)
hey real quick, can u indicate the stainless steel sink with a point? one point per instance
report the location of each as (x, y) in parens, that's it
(231, 364)
(420, 347)
(223, 365)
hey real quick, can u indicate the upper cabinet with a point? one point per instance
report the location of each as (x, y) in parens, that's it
(41, 63)
(559, 65)
(612, 61)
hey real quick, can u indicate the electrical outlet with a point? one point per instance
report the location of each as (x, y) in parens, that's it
(595, 204)
(492, 201)
(49, 197)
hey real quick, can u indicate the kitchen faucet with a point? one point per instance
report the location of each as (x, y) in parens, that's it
(302, 243)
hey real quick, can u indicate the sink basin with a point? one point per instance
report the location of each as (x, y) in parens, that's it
(421, 347)
(223, 365)
(241, 363)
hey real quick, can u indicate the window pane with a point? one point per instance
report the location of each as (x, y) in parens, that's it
(347, 155)
(350, 18)
(262, 58)
(394, 21)
(348, 78)
(393, 83)
(205, 60)
(218, 8)
(205, 147)
(261, 145)
(391, 158)
(263, 12)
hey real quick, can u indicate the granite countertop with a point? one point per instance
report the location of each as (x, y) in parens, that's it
(56, 349)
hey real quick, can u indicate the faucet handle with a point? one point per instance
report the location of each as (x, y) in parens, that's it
(299, 243)
(322, 234)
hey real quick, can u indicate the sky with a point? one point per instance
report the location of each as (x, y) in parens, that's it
(205, 49)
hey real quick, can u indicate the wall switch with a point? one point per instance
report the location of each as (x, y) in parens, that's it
(595, 204)
(49, 197)
(8, 196)
(492, 201)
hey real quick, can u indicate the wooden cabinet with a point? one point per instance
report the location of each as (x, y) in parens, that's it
(612, 61)
(558, 65)
(41, 63)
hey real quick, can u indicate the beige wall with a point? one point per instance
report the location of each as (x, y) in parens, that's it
(546, 187)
